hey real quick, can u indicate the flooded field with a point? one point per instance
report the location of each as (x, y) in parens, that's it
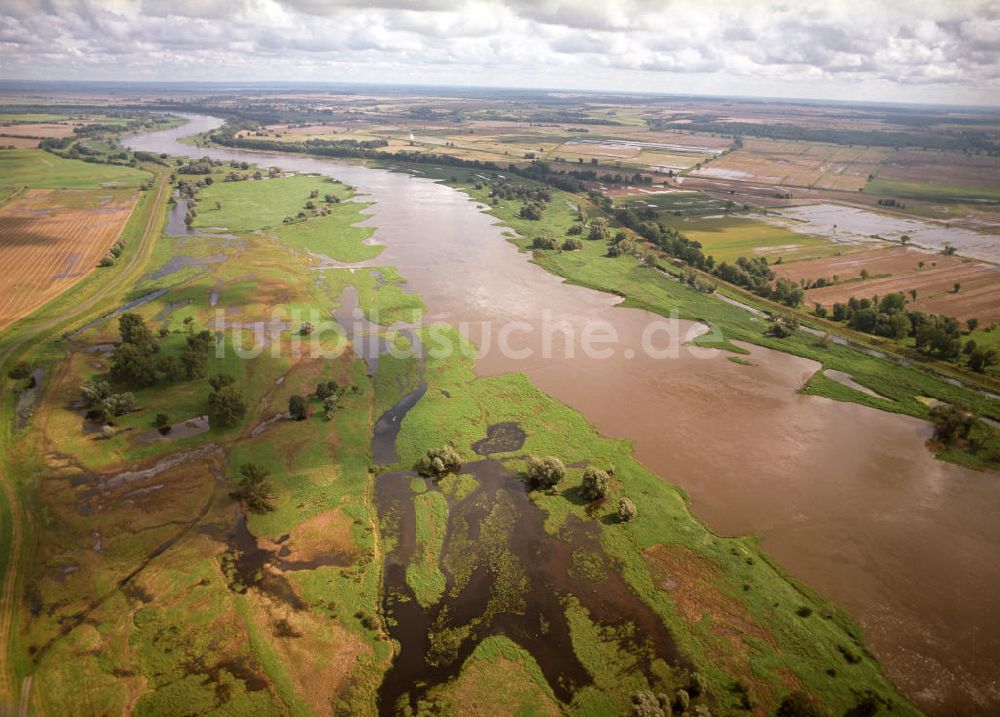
(849, 224)
(846, 498)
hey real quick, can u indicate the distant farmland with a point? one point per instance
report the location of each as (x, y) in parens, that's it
(50, 239)
(899, 269)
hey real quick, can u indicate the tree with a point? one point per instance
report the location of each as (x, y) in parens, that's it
(626, 510)
(325, 389)
(107, 432)
(646, 704)
(170, 367)
(972, 324)
(599, 229)
(20, 370)
(439, 462)
(951, 423)
(545, 473)
(306, 328)
(133, 330)
(119, 404)
(572, 244)
(596, 483)
(227, 405)
(982, 358)
(298, 408)
(131, 365)
(253, 488)
(544, 242)
(957, 287)
(93, 393)
(330, 406)
(162, 420)
(220, 380)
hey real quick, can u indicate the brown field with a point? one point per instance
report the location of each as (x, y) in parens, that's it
(46, 129)
(897, 270)
(50, 239)
(798, 164)
(18, 142)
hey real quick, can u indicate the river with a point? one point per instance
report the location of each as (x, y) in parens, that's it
(846, 498)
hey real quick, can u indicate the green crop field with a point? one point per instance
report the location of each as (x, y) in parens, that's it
(728, 238)
(37, 168)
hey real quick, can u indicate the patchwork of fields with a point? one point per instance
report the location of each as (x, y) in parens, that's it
(798, 164)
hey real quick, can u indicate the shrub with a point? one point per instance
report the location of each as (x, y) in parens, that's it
(544, 242)
(93, 393)
(298, 408)
(119, 404)
(572, 244)
(107, 432)
(596, 483)
(799, 704)
(20, 370)
(545, 472)
(162, 420)
(626, 510)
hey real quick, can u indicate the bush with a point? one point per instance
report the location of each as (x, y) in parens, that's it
(93, 393)
(545, 473)
(439, 462)
(107, 432)
(596, 483)
(162, 420)
(298, 408)
(626, 510)
(799, 704)
(544, 242)
(20, 370)
(572, 244)
(119, 404)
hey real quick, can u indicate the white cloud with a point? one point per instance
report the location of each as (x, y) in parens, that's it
(890, 49)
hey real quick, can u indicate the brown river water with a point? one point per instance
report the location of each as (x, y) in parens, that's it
(846, 498)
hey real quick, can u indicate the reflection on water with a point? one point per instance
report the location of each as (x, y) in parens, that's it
(845, 497)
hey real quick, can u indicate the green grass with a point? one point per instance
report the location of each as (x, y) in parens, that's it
(335, 236)
(931, 191)
(262, 203)
(424, 574)
(728, 238)
(688, 203)
(36, 168)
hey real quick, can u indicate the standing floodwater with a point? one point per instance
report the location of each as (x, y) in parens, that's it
(847, 498)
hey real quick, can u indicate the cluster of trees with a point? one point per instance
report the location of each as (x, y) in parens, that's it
(113, 253)
(439, 462)
(649, 704)
(933, 335)
(102, 404)
(133, 362)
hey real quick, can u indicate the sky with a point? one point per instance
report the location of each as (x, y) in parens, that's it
(943, 52)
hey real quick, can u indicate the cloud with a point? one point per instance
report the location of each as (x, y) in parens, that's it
(888, 49)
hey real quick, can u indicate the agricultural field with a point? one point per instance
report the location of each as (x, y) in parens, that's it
(36, 168)
(51, 239)
(798, 164)
(938, 176)
(931, 276)
(729, 237)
